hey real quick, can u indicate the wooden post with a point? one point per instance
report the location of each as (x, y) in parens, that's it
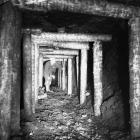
(69, 76)
(77, 70)
(64, 75)
(40, 70)
(134, 68)
(10, 35)
(60, 77)
(97, 77)
(36, 73)
(74, 78)
(33, 77)
(83, 76)
(27, 75)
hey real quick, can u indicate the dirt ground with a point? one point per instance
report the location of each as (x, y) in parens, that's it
(61, 117)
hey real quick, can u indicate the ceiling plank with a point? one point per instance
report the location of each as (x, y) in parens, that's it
(64, 45)
(59, 52)
(62, 37)
(58, 56)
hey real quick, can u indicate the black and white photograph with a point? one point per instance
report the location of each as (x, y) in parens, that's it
(69, 69)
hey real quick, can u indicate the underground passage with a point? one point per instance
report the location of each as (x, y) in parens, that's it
(69, 70)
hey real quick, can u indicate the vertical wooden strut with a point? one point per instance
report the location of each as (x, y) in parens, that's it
(83, 76)
(27, 75)
(36, 72)
(64, 75)
(10, 35)
(69, 76)
(77, 69)
(60, 78)
(33, 77)
(97, 76)
(134, 72)
(40, 70)
(74, 78)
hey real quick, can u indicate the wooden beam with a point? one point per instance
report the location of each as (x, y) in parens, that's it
(97, 77)
(64, 74)
(69, 76)
(60, 76)
(101, 8)
(40, 70)
(74, 78)
(134, 72)
(33, 77)
(60, 52)
(27, 76)
(36, 73)
(63, 37)
(64, 45)
(58, 56)
(56, 59)
(77, 70)
(83, 76)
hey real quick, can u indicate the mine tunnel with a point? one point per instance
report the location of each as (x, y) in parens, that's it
(69, 70)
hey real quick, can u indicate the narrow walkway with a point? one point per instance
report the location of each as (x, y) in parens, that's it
(60, 117)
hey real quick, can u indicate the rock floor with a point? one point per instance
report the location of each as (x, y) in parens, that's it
(60, 117)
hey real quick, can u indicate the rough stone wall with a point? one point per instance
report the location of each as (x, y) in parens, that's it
(115, 106)
(10, 32)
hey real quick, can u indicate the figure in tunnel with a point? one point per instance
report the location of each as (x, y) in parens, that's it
(48, 81)
(49, 69)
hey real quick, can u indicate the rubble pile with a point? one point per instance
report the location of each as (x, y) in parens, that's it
(61, 117)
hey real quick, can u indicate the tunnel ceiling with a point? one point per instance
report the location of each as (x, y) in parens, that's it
(71, 23)
(52, 21)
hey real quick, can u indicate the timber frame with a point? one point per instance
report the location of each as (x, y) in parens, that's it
(67, 41)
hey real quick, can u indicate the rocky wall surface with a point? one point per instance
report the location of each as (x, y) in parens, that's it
(115, 85)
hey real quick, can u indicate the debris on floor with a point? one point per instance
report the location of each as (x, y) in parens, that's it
(61, 117)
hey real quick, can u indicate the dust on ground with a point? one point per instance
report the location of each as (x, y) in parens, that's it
(61, 117)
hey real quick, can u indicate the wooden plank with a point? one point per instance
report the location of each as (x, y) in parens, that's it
(58, 56)
(27, 76)
(36, 73)
(97, 77)
(77, 70)
(59, 52)
(64, 74)
(83, 76)
(40, 70)
(134, 72)
(101, 8)
(33, 78)
(70, 76)
(63, 37)
(66, 45)
(56, 59)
